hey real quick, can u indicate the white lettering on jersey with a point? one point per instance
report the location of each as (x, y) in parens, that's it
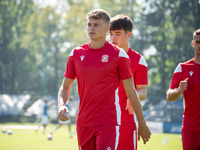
(108, 148)
(178, 69)
(82, 57)
(122, 53)
(143, 61)
(191, 73)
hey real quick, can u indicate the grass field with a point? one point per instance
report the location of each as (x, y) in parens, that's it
(29, 139)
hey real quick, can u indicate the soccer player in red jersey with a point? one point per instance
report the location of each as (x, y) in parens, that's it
(186, 80)
(98, 67)
(120, 32)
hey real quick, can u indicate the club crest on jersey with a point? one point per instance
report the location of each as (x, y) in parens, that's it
(104, 58)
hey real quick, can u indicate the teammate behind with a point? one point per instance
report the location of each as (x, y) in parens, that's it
(120, 32)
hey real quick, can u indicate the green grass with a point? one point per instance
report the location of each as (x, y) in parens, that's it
(173, 142)
(23, 139)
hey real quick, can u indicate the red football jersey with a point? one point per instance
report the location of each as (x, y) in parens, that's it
(191, 70)
(140, 77)
(98, 73)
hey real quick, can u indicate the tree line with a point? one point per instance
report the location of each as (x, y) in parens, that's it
(35, 40)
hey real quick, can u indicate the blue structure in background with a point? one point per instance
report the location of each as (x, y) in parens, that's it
(169, 127)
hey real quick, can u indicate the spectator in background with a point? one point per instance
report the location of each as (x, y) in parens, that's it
(45, 117)
(68, 122)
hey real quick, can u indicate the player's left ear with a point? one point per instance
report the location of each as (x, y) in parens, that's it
(192, 43)
(129, 34)
(107, 28)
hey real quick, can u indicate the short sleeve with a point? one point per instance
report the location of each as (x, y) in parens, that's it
(141, 75)
(124, 66)
(70, 69)
(177, 77)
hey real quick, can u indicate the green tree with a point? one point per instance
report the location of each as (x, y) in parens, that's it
(15, 62)
(169, 29)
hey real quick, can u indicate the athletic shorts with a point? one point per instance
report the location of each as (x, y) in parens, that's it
(190, 140)
(98, 137)
(128, 136)
(44, 119)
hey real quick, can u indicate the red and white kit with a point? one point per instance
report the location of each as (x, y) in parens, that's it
(191, 115)
(128, 130)
(98, 73)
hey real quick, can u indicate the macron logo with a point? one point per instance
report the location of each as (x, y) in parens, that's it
(191, 73)
(82, 57)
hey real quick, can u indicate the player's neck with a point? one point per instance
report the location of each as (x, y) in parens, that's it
(197, 59)
(97, 44)
(126, 48)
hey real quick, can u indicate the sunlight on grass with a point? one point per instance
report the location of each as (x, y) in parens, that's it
(23, 139)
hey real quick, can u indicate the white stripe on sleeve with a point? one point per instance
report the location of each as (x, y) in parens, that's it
(72, 53)
(178, 69)
(122, 53)
(143, 61)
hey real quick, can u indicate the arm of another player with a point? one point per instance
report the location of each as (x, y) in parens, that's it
(143, 130)
(173, 94)
(63, 95)
(142, 93)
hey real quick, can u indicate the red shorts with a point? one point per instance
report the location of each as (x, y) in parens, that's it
(190, 140)
(128, 137)
(98, 137)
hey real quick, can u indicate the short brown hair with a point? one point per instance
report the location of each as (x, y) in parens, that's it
(121, 22)
(99, 14)
(197, 32)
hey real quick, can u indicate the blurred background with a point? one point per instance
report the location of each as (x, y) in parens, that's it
(36, 37)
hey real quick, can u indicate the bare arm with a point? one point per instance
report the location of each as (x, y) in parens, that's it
(143, 130)
(173, 94)
(142, 91)
(63, 95)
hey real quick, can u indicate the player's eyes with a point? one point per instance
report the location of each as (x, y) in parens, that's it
(197, 42)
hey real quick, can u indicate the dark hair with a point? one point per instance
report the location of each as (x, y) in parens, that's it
(197, 32)
(99, 14)
(121, 22)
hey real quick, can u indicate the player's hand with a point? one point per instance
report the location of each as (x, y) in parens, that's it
(144, 133)
(183, 85)
(61, 113)
(129, 107)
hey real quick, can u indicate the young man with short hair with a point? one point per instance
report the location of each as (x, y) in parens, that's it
(120, 32)
(99, 66)
(186, 81)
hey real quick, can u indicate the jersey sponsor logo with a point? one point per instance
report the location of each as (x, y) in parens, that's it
(108, 148)
(191, 73)
(82, 57)
(104, 58)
